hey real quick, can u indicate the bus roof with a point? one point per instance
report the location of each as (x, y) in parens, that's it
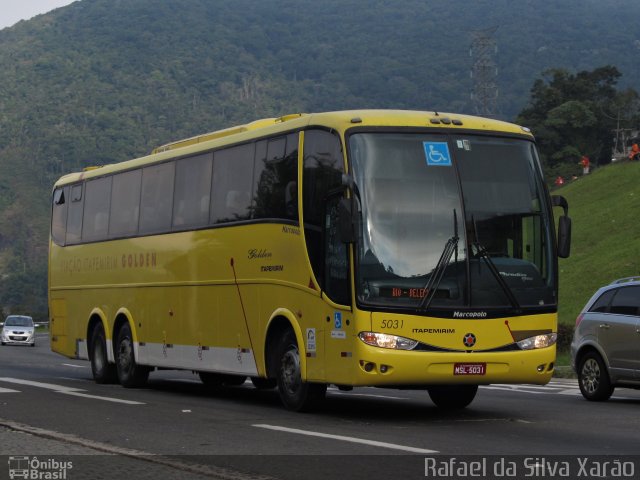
(340, 121)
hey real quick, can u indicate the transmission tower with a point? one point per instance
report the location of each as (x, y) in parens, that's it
(484, 72)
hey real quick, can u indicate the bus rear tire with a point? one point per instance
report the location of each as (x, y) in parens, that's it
(103, 371)
(453, 397)
(295, 394)
(130, 374)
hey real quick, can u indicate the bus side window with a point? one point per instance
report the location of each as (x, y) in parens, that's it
(74, 215)
(95, 220)
(125, 204)
(59, 215)
(231, 184)
(156, 199)
(276, 190)
(193, 188)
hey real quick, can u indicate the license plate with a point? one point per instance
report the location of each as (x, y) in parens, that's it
(469, 368)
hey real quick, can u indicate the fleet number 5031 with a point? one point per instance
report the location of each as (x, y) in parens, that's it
(392, 324)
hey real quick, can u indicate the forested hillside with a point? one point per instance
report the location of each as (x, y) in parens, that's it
(104, 80)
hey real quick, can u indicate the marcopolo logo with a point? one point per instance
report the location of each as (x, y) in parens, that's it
(37, 469)
(457, 314)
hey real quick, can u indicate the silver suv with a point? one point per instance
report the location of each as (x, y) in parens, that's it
(605, 351)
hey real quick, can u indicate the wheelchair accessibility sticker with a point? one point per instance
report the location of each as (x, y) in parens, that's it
(437, 153)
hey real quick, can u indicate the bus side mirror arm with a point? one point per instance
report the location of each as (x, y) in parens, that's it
(564, 226)
(560, 201)
(346, 221)
(347, 210)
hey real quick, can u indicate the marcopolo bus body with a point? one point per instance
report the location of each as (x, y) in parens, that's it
(386, 248)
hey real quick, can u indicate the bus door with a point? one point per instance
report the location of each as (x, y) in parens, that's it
(340, 332)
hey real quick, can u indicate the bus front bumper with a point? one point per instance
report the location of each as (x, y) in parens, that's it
(383, 367)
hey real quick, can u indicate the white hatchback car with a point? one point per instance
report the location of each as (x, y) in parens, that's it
(18, 329)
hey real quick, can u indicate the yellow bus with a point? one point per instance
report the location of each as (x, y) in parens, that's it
(397, 249)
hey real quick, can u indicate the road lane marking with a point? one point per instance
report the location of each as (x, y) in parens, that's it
(106, 399)
(8, 390)
(343, 438)
(77, 392)
(569, 392)
(75, 366)
(510, 389)
(352, 394)
(535, 389)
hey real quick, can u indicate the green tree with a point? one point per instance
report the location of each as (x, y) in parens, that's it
(571, 115)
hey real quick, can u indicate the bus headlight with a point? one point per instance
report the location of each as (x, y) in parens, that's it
(384, 340)
(539, 341)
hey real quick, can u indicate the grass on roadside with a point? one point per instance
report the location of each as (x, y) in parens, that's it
(604, 208)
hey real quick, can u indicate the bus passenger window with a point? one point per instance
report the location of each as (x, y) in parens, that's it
(59, 215)
(193, 187)
(95, 220)
(231, 184)
(74, 216)
(157, 198)
(125, 204)
(276, 194)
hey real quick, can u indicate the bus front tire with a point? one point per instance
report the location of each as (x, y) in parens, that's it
(103, 371)
(295, 394)
(130, 374)
(453, 397)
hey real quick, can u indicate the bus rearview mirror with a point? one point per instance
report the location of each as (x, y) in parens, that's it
(564, 226)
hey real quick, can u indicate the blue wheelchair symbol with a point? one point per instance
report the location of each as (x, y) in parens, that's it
(437, 153)
(337, 319)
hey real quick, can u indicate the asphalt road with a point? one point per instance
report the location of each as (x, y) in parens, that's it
(177, 428)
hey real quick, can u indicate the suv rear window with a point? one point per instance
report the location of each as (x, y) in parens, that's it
(626, 301)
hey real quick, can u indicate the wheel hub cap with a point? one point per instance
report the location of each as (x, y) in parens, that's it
(291, 371)
(591, 375)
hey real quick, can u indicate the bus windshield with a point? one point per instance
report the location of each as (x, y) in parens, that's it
(451, 222)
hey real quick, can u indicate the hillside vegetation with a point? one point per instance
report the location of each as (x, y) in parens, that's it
(604, 207)
(101, 81)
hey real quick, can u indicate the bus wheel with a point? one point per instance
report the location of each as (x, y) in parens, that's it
(453, 396)
(103, 371)
(294, 393)
(264, 383)
(593, 378)
(130, 374)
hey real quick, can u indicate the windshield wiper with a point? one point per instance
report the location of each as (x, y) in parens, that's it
(438, 272)
(483, 253)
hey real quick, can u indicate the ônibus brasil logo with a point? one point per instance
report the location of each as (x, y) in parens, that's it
(33, 468)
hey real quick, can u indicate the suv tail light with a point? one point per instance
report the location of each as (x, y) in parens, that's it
(579, 319)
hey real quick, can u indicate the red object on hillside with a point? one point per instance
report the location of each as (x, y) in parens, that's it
(559, 181)
(634, 154)
(584, 161)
